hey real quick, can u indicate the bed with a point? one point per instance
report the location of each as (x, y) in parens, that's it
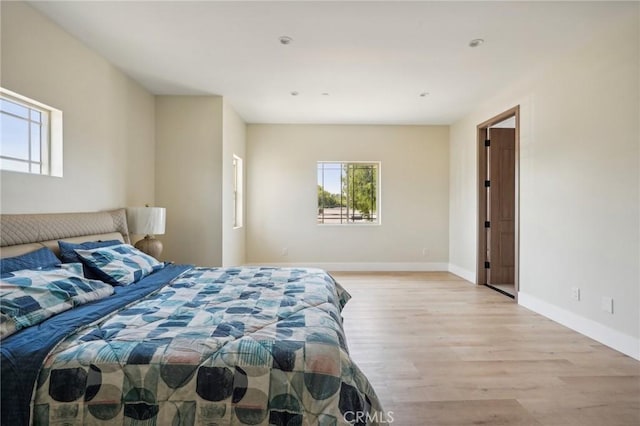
(179, 344)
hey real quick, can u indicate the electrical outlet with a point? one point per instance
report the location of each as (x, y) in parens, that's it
(575, 293)
(425, 252)
(607, 304)
(285, 251)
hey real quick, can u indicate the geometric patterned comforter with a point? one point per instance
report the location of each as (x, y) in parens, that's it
(234, 346)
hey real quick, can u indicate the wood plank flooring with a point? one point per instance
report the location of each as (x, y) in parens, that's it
(441, 351)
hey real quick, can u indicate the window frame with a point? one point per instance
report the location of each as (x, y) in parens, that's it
(378, 165)
(238, 192)
(50, 143)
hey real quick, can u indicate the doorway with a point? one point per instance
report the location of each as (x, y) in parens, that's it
(498, 224)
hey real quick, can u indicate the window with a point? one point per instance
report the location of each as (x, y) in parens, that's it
(30, 136)
(348, 192)
(238, 210)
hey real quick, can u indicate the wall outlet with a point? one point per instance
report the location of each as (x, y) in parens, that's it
(575, 293)
(607, 304)
(285, 251)
(425, 251)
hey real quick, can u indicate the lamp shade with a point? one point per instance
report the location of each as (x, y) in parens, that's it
(146, 220)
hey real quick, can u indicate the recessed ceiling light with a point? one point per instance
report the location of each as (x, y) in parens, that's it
(285, 40)
(476, 42)
(294, 93)
(424, 94)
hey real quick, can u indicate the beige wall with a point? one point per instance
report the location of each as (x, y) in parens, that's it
(108, 120)
(579, 187)
(189, 177)
(234, 143)
(282, 196)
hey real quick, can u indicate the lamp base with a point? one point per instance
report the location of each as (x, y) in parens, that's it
(150, 245)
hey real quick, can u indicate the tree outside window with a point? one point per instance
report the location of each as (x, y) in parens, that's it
(348, 192)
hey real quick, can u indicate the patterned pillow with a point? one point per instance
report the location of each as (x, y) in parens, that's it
(75, 268)
(28, 297)
(119, 265)
(68, 253)
(41, 258)
(68, 250)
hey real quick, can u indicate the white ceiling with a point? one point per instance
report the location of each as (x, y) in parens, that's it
(372, 58)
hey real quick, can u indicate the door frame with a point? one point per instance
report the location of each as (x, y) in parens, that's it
(482, 130)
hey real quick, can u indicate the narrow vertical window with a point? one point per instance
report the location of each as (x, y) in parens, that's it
(238, 208)
(30, 136)
(348, 192)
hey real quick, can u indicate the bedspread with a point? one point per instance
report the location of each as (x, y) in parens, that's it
(241, 346)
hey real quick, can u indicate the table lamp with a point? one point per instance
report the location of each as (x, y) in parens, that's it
(149, 221)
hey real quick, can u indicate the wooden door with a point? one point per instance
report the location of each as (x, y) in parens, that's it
(501, 206)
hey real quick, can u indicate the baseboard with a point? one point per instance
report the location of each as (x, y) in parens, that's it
(621, 342)
(379, 267)
(365, 266)
(462, 273)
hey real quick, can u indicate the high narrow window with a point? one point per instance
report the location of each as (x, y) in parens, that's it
(30, 135)
(348, 192)
(238, 208)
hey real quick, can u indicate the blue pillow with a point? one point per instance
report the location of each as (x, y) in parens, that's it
(119, 265)
(67, 250)
(68, 254)
(41, 258)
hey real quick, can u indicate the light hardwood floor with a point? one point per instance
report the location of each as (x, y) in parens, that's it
(441, 351)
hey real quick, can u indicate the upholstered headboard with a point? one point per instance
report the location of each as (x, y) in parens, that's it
(22, 233)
